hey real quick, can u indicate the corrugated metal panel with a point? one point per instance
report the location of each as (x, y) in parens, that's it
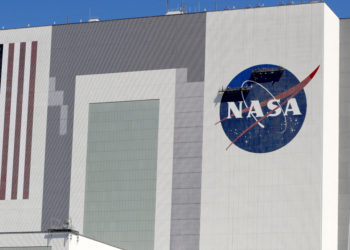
(110, 47)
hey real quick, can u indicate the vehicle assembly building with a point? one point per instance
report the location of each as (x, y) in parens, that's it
(226, 130)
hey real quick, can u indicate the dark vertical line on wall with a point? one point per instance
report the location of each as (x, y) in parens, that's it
(18, 121)
(1, 54)
(30, 120)
(7, 122)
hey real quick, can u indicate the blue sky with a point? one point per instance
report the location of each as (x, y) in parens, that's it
(20, 13)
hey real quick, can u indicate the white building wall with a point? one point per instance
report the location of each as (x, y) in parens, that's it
(142, 85)
(344, 139)
(57, 241)
(25, 215)
(330, 175)
(271, 200)
(286, 199)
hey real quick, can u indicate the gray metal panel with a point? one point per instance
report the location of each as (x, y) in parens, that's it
(130, 45)
(187, 166)
(187, 180)
(192, 195)
(186, 227)
(185, 242)
(344, 139)
(188, 149)
(55, 206)
(189, 104)
(109, 47)
(190, 90)
(185, 120)
(184, 133)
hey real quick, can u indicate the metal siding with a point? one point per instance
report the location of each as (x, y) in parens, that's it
(188, 149)
(190, 90)
(188, 165)
(55, 206)
(192, 195)
(196, 133)
(344, 139)
(271, 200)
(185, 120)
(185, 242)
(187, 174)
(110, 47)
(121, 87)
(183, 212)
(187, 180)
(189, 104)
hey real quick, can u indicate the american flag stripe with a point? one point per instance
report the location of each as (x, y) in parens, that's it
(30, 120)
(5, 143)
(11, 142)
(18, 121)
(1, 52)
(2, 101)
(22, 151)
(16, 118)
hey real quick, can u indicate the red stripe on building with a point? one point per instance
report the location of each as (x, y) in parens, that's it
(18, 121)
(30, 120)
(5, 144)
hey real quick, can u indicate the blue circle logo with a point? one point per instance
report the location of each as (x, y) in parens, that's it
(263, 108)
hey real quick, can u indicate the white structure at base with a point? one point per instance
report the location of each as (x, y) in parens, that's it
(77, 242)
(52, 241)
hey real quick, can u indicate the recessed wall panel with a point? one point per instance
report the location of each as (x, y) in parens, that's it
(121, 172)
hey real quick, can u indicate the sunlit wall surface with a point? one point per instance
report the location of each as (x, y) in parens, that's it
(121, 173)
(212, 130)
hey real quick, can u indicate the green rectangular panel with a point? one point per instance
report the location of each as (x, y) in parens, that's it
(121, 173)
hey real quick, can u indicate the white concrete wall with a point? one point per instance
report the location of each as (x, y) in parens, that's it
(330, 172)
(271, 200)
(83, 243)
(25, 215)
(143, 85)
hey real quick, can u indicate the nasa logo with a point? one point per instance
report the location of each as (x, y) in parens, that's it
(263, 108)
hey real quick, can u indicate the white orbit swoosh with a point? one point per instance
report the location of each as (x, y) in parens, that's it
(245, 103)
